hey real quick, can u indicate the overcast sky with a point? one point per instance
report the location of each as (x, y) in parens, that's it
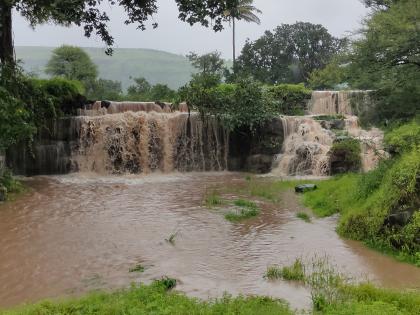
(338, 16)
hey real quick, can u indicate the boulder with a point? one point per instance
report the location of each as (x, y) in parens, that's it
(3, 193)
(305, 188)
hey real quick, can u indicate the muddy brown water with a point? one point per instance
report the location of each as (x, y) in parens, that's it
(76, 233)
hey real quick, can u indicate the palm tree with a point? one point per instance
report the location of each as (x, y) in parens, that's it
(243, 10)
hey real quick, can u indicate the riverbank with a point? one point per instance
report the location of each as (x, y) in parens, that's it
(330, 296)
(382, 207)
(10, 187)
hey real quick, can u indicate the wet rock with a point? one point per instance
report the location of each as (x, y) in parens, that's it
(259, 163)
(305, 188)
(400, 218)
(337, 124)
(3, 193)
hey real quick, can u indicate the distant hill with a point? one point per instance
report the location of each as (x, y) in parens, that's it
(156, 66)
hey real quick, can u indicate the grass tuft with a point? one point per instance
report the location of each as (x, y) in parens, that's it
(304, 216)
(247, 209)
(295, 272)
(213, 199)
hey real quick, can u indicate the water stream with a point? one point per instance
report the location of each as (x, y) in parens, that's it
(75, 233)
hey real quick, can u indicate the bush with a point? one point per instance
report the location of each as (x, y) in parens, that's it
(16, 122)
(403, 138)
(290, 99)
(346, 153)
(65, 95)
(243, 104)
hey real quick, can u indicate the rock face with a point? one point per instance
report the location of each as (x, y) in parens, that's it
(50, 153)
(256, 151)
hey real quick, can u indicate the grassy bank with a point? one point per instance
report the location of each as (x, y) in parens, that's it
(153, 299)
(329, 294)
(382, 207)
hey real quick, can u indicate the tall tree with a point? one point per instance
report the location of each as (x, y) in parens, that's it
(88, 14)
(210, 63)
(72, 63)
(241, 10)
(289, 54)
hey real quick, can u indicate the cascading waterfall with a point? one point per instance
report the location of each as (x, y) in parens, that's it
(141, 142)
(305, 148)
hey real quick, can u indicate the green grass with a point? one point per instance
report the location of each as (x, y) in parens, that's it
(273, 273)
(247, 209)
(332, 293)
(294, 272)
(154, 299)
(156, 66)
(213, 199)
(304, 216)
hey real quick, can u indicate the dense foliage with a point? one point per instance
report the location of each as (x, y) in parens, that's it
(246, 103)
(289, 99)
(385, 58)
(28, 104)
(72, 63)
(381, 207)
(289, 54)
(142, 90)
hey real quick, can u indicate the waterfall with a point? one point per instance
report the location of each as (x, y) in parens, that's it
(143, 142)
(339, 102)
(305, 148)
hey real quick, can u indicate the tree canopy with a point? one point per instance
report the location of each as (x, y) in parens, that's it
(72, 63)
(289, 54)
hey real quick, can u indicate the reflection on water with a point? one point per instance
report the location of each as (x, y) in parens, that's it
(76, 233)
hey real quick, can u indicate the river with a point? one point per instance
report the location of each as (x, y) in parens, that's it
(76, 233)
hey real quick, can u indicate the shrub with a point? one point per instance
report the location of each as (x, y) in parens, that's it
(347, 152)
(403, 138)
(243, 104)
(65, 95)
(290, 99)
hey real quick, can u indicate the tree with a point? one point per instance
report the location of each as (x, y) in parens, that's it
(142, 86)
(210, 63)
(102, 89)
(289, 54)
(241, 10)
(386, 59)
(88, 14)
(72, 63)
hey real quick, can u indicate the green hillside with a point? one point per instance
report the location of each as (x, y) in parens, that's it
(156, 66)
